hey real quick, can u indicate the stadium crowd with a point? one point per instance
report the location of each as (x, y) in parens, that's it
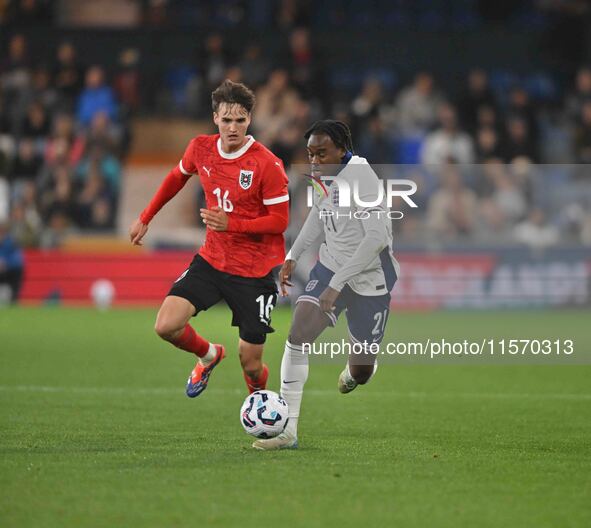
(64, 135)
(63, 138)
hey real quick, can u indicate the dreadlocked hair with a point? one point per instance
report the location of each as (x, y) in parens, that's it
(338, 131)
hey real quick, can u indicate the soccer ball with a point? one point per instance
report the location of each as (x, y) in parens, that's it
(264, 414)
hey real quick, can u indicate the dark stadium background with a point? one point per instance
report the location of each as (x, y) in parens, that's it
(486, 105)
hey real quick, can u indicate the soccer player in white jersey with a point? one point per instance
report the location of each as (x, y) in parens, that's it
(355, 272)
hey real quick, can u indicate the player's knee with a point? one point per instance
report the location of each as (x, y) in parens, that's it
(166, 329)
(298, 336)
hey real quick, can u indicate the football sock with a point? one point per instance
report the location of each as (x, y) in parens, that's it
(259, 383)
(294, 373)
(191, 341)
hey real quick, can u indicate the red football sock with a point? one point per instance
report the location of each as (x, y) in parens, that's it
(257, 384)
(191, 341)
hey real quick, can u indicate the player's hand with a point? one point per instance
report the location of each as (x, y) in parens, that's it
(137, 231)
(285, 276)
(327, 299)
(215, 219)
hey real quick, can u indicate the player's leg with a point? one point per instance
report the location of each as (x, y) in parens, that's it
(195, 290)
(255, 372)
(366, 317)
(307, 324)
(252, 301)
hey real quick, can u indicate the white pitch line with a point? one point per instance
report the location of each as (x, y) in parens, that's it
(158, 391)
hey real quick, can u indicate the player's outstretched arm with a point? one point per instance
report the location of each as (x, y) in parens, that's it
(175, 180)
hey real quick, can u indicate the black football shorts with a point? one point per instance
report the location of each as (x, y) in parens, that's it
(251, 299)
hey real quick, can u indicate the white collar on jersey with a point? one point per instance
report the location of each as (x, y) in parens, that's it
(238, 153)
(357, 160)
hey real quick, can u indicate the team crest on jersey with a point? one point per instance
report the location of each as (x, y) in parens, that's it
(311, 285)
(245, 179)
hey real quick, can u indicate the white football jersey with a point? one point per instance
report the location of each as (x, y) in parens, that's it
(350, 212)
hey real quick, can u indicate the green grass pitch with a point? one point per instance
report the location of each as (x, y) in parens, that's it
(95, 430)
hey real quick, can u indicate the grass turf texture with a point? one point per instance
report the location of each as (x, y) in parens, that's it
(95, 431)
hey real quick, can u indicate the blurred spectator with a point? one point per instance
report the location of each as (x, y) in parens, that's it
(5, 122)
(376, 145)
(4, 199)
(127, 81)
(293, 13)
(453, 208)
(488, 145)
(582, 143)
(57, 194)
(15, 70)
(96, 97)
(28, 162)
(33, 12)
(580, 95)
(476, 95)
(487, 117)
(25, 219)
(367, 104)
(276, 102)
(67, 73)
(289, 137)
(36, 123)
(535, 232)
(519, 142)
(42, 90)
(506, 203)
(521, 106)
(305, 66)
(11, 267)
(448, 143)
(64, 145)
(95, 202)
(104, 134)
(107, 165)
(417, 106)
(215, 61)
(58, 228)
(254, 66)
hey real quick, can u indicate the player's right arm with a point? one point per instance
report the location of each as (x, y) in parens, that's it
(174, 181)
(311, 231)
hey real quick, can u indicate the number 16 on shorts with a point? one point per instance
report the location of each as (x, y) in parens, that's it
(266, 305)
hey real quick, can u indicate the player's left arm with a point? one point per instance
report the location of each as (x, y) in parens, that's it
(275, 199)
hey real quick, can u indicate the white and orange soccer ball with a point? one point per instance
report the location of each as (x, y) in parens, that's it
(264, 414)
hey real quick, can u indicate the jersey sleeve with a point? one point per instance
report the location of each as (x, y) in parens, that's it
(189, 164)
(274, 184)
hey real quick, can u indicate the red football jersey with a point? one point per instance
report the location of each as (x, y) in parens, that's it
(243, 184)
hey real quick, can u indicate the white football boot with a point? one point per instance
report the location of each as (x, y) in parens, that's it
(346, 382)
(283, 441)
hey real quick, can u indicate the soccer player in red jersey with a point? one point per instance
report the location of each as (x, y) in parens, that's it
(247, 212)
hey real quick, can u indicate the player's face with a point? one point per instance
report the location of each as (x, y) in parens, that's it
(322, 151)
(232, 121)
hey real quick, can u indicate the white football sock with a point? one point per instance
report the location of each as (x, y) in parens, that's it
(294, 373)
(209, 355)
